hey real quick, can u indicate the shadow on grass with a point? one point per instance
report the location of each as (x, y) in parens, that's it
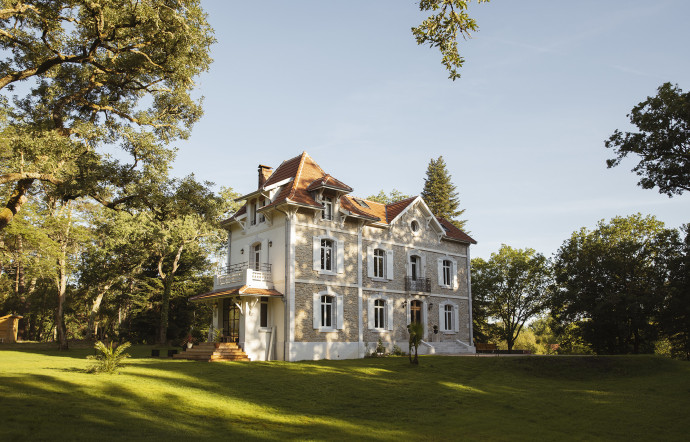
(380, 399)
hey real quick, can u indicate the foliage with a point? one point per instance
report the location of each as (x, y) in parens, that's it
(674, 314)
(108, 358)
(383, 198)
(662, 143)
(440, 194)
(416, 331)
(612, 280)
(511, 287)
(441, 30)
(256, 400)
(96, 75)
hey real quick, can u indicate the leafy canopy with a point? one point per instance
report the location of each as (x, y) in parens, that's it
(662, 143)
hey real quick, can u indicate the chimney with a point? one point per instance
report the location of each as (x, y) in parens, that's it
(264, 173)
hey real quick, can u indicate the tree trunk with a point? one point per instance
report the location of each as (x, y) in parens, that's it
(15, 202)
(165, 308)
(60, 314)
(95, 307)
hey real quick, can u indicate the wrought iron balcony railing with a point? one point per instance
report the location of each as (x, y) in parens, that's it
(250, 274)
(417, 284)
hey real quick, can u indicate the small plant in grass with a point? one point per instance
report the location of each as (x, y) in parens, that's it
(380, 349)
(397, 351)
(108, 358)
(416, 331)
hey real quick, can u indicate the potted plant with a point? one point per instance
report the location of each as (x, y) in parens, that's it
(189, 341)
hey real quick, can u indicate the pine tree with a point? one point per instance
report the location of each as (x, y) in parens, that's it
(440, 194)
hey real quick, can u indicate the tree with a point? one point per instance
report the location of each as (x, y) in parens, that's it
(441, 30)
(416, 331)
(440, 194)
(513, 285)
(611, 282)
(96, 73)
(674, 315)
(393, 196)
(663, 141)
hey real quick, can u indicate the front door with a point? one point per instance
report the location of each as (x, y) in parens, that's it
(231, 321)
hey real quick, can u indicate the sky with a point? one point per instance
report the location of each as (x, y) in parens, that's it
(544, 84)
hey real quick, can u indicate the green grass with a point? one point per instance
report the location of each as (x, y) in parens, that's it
(46, 394)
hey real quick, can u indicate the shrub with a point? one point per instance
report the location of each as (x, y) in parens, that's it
(108, 358)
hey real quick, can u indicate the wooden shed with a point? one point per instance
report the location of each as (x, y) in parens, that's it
(8, 328)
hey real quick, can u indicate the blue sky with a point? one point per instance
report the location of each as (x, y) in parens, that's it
(544, 84)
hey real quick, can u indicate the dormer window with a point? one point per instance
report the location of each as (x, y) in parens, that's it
(252, 212)
(262, 203)
(327, 208)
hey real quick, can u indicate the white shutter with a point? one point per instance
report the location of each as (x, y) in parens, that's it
(441, 317)
(341, 256)
(317, 310)
(439, 264)
(423, 274)
(455, 275)
(456, 319)
(370, 314)
(264, 253)
(316, 252)
(341, 310)
(370, 261)
(390, 264)
(389, 312)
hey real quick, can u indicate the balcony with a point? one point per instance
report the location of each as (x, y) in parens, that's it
(417, 284)
(252, 275)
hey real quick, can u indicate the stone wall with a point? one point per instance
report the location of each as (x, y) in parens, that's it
(304, 319)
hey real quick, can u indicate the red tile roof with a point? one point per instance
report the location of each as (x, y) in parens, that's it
(328, 181)
(454, 232)
(394, 209)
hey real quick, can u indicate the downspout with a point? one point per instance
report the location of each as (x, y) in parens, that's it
(469, 294)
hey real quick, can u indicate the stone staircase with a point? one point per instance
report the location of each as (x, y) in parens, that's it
(207, 351)
(446, 348)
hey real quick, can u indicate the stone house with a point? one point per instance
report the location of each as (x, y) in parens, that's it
(315, 273)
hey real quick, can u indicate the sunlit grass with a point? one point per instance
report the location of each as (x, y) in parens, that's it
(49, 395)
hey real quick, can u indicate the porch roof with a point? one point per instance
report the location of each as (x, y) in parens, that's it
(241, 291)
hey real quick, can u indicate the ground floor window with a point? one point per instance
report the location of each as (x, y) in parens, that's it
(416, 311)
(263, 314)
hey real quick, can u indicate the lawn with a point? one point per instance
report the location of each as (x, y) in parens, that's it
(49, 395)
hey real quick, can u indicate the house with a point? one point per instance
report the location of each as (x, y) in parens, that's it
(315, 273)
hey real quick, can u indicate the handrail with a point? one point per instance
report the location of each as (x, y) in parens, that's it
(259, 267)
(417, 284)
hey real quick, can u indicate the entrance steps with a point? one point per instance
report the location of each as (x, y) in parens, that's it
(214, 352)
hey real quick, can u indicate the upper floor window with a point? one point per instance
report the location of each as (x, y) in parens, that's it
(414, 225)
(379, 263)
(327, 255)
(252, 212)
(262, 203)
(256, 257)
(327, 208)
(447, 268)
(415, 267)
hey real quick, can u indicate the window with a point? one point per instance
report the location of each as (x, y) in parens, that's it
(416, 311)
(379, 263)
(262, 203)
(448, 317)
(361, 203)
(327, 311)
(415, 267)
(414, 225)
(379, 313)
(327, 255)
(447, 266)
(327, 208)
(263, 314)
(256, 257)
(252, 212)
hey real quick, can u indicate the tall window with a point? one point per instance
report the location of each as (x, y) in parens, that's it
(447, 277)
(327, 208)
(416, 311)
(379, 313)
(379, 263)
(256, 257)
(327, 311)
(415, 267)
(252, 212)
(262, 202)
(326, 254)
(263, 317)
(448, 317)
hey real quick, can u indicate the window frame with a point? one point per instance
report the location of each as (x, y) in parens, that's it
(445, 309)
(327, 212)
(263, 313)
(380, 263)
(327, 245)
(327, 303)
(447, 267)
